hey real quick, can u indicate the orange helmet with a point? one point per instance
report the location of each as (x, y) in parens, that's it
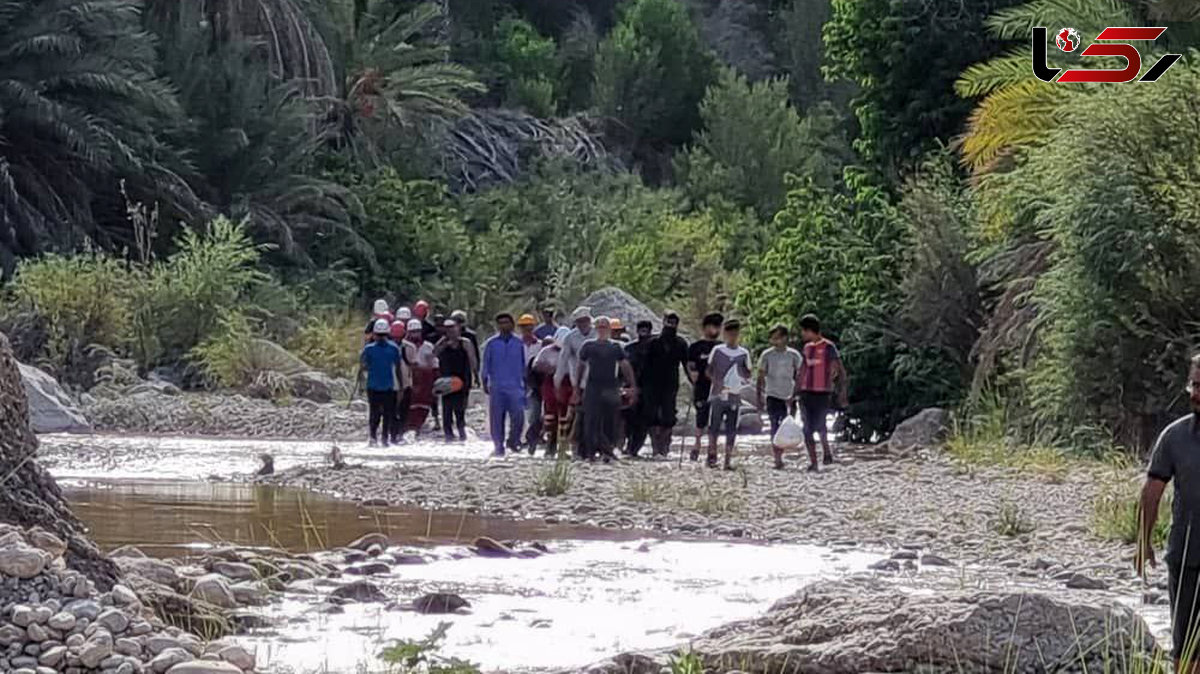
(526, 320)
(616, 324)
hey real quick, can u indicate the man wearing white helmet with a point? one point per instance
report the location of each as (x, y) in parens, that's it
(382, 363)
(566, 376)
(378, 311)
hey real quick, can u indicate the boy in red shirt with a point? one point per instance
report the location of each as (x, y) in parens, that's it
(821, 371)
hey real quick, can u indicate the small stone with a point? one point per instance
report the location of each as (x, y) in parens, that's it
(75, 641)
(359, 590)
(40, 538)
(439, 603)
(368, 569)
(214, 590)
(885, 565)
(238, 657)
(126, 668)
(113, 620)
(204, 667)
(37, 633)
(489, 547)
(62, 621)
(168, 659)
(123, 596)
(22, 615)
(235, 570)
(159, 643)
(83, 608)
(904, 555)
(1080, 581)
(11, 634)
(22, 561)
(41, 614)
(92, 652)
(52, 657)
(127, 646)
(934, 560)
(365, 542)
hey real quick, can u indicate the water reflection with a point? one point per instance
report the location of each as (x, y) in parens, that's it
(166, 518)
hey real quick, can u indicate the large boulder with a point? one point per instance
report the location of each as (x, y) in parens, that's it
(51, 410)
(267, 356)
(318, 387)
(616, 303)
(926, 428)
(866, 625)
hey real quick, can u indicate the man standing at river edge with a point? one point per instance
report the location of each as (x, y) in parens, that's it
(697, 369)
(729, 372)
(383, 364)
(665, 357)
(1176, 456)
(599, 361)
(503, 375)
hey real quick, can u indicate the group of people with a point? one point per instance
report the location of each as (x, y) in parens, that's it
(590, 389)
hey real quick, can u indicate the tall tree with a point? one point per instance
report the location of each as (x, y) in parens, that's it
(80, 109)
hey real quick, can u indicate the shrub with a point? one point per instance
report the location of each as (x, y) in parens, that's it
(1115, 514)
(555, 480)
(82, 300)
(330, 342)
(224, 356)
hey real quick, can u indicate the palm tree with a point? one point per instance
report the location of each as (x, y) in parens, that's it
(80, 108)
(1017, 110)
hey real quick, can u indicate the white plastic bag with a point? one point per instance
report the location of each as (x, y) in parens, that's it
(789, 435)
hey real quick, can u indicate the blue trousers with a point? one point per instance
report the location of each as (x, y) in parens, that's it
(510, 402)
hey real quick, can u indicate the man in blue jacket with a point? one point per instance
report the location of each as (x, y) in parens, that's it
(503, 375)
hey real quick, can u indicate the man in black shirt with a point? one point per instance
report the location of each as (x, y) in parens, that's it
(665, 357)
(460, 317)
(455, 359)
(635, 416)
(697, 359)
(601, 398)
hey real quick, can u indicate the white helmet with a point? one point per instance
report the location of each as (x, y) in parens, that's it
(382, 327)
(415, 325)
(403, 313)
(381, 307)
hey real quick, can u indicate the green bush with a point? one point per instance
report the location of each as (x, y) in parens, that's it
(224, 355)
(330, 342)
(86, 299)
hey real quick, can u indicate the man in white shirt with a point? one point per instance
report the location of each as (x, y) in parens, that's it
(566, 377)
(729, 371)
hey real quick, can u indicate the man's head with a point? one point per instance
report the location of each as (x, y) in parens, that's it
(618, 328)
(733, 331)
(582, 318)
(415, 331)
(603, 328)
(504, 323)
(450, 327)
(421, 309)
(527, 323)
(645, 330)
(398, 330)
(670, 323)
(404, 314)
(382, 330)
(459, 316)
(810, 328)
(547, 315)
(439, 324)
(1194, 384)
(711, 325)
(779, 336)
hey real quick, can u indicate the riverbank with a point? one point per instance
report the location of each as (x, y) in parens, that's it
(930, 509)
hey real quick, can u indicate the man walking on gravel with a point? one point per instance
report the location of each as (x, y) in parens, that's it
(565, 377)
(599, 361)
(778, 369)
(636, 422)
(1176, 457)
(697, 369)
(503, 375)
(667, 355)
(821, 375)
(456, 360)
(729, 371)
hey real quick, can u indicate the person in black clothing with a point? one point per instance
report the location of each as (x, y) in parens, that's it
(697, 367)
(665, 356)
(455, 359)
(601, 359)
(635, 353)
(460, 317)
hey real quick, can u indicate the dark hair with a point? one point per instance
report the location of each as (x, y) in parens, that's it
(712, 319)
(810, 322)
(671, 316)
(645, 324)
(733, 324)
(504, 316)
(779, 329)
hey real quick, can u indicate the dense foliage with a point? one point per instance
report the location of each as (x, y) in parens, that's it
(179, 178)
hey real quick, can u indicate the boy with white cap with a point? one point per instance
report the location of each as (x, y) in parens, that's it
(382, 363)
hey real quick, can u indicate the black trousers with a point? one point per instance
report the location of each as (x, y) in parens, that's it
(401, 415)
(635, 428)
(600, 407)
(454, 414)
(1185, 623)
(382, 405)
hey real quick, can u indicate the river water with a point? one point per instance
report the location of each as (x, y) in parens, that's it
(598, 593)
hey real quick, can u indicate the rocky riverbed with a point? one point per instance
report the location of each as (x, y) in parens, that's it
(926, 509)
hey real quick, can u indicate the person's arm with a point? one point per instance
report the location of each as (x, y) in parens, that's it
(693, 372)
(486, 368)
(473, 359)
(442, 345)
(843, 383)
(1148, 510)
(630, 379)
(762, 379)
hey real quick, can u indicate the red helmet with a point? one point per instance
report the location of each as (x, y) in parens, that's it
(421, 309)
(397, 330)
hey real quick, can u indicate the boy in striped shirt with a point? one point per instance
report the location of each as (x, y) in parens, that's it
(821, 372)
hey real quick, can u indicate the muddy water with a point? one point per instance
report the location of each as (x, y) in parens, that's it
(599, 592)
(169, 518)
